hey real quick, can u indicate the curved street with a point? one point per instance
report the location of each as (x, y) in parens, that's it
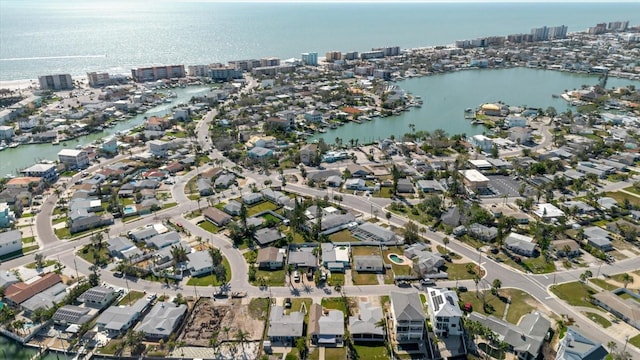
(64, 251)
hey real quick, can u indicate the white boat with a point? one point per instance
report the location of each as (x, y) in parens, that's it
(2, 147)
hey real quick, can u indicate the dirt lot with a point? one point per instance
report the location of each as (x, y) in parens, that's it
(210, 319)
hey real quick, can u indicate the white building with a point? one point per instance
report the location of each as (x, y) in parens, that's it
(515, 121)
(408, 319)
(444, 312)
(482, 142)
(474, 179)
(10, 242)
(159, 148)
(73, 159)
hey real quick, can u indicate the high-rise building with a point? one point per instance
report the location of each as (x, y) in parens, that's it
(557, 32)
(333, 55)
(598, 29)
(155, 73)
(310, 59)
(618, 26)
(97, 79)
(56, 82)
(269, 61)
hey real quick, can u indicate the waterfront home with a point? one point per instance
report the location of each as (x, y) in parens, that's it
(525, 339)
(444, 312)
(45, 171)
(365, 327)
(575, 346)
(326, 330)
(407, 316)
(162, 321)
(73, 315)
(216, 216)
(73, 159)
(116, 320)
(284, 329)
(270, 258)
(482, 142)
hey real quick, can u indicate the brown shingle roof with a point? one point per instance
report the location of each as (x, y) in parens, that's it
(216, 216)
(18, 293)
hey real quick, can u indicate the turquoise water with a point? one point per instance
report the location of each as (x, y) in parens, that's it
(446, 97)
(396, 259)
(10, 349)
(129, 209)
(42, 36)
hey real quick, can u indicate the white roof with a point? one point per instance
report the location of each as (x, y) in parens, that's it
(480, 163)
(69, 152)
(548, 211)
(474, 175)
(520, 237)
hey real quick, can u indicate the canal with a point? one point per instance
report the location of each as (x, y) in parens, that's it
(14, 159)
(446, 96)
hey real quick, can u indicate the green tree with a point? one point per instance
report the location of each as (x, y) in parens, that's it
(411, 233)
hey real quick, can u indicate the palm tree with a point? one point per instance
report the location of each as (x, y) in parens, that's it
(445, 241)
(242, 337)
(627, 279)
(495, 286)
(613, 346)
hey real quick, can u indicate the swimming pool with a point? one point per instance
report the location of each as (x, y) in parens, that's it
(129, 209)
(396, 259)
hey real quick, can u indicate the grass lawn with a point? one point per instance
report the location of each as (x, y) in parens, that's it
(335, 303)
(28, 240)
(88, 253)
(603, 284)
(111, 347)
(458, 271)
(628, 296)
(335, 353)
(336, 279)
(365, 250)
(620, 197)
(342, 236)
(27, 215)
(27, 249)
(131, 297)
(211, 279)
(45, 264)
(272, 278)
(62, 233)
(266, 205)
(521, 304)
(397, 269)
(194, 197)
(538, 265)
(59, 210)
(498, 305)
(363, 278)
(598, 319)
(297, 237)
(635, 341)
(258, 308)
(296, 305)
(169, 205)
(375, 352)
(209, 226)
(59, 220)
(575, 293)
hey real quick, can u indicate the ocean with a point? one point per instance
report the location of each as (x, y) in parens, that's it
(39, 37)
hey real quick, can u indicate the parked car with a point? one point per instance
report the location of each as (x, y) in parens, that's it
(462, 288)
(287, 303)
(296, 276)
(118, 274)
(427, 282)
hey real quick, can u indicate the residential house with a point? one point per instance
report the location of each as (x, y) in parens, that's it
(204, 187)
(525, 340)
(73, 159)
(520, 244)
(7, 217)
(10, 242)
(303, 258)
(46, 171)
(215, 216)
(224, 181)
(270, 258)
(429, 186)
(72, 315)
(326, 330)
(371, 263)
(598, 238)
(427, 263)
(252, 198)
(332, 223)
(267, 236)
(162, 321)
(233, 208)
(116, 320)
(285, 329)
(364, 327)
(45, 299)
(335, 258)
(444, 312)
(123, 248)
(334, 181)
(407, 316)
(548, 211)
(566, 248)
(97, 297)
(623, 303)
(575, 346)
(354, 184)
(483, 233)
(404, 186)
(143, 234)
(482, 142)
(199, 263)
(8, 278)
(373, 232)
(163, 240)
(308, 154)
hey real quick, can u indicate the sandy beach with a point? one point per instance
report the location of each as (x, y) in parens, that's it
(32, 84)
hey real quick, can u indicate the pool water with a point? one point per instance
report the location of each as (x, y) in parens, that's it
(396, 259)
(129, 209)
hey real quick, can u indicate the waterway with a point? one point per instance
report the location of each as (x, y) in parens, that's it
(446, 96)
(14, 159)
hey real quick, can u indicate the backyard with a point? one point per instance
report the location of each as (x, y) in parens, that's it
(211, 279)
